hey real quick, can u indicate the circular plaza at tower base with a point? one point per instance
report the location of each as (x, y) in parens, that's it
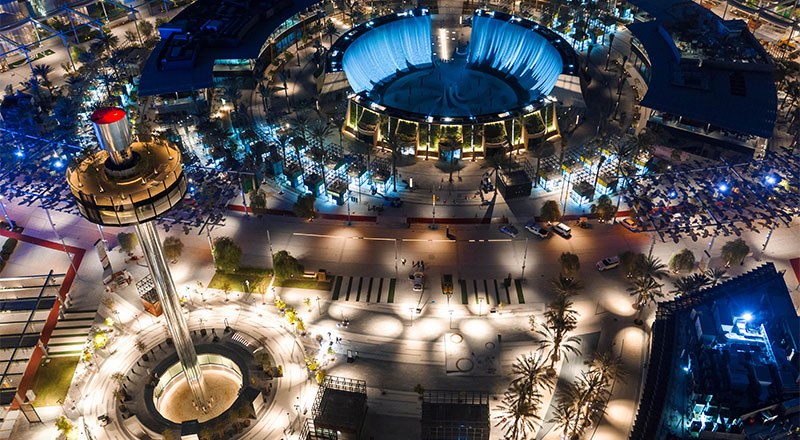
(490, 96)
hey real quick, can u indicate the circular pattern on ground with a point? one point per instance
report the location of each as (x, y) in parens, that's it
(465, 365)
(222, 387)
(456, 338)
(490, 345)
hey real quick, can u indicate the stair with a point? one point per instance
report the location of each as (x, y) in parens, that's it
(71, 333)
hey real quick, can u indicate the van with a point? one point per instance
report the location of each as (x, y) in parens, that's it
(562, 230)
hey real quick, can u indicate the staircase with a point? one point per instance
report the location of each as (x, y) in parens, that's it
(71, 333)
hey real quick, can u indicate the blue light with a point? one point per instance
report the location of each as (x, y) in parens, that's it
(686, 369)
(19, 153)
(386, 49)
(770, 180)
(673, 194)
(747, 316)
(58, 164)
(191, 189)
(723, 187)
(511, 49)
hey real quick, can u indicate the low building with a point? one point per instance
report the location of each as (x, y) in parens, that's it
(339, 410)
(724, 363)
(455, 415)
(707, 78)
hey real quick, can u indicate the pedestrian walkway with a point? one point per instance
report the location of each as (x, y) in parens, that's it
(363, 289)
(71, 334)
(491, 292)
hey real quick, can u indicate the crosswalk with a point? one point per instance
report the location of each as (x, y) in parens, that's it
(491, 292)
(363, 289)
(71, 333)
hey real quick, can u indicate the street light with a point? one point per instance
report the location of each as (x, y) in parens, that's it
(480, 307)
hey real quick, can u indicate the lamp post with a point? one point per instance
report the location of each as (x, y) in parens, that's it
(524, 259)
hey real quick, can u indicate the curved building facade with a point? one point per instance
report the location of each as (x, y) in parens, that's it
(491, 97)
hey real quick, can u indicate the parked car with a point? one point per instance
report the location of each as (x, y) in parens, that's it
(562, 230)
(630, 224)
(418, 284)
(509, 230)
(607, 263)
(537, 230)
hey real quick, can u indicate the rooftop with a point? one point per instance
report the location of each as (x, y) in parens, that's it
(705, 68)
(210, 30)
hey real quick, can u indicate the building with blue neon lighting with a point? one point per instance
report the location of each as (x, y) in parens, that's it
(724, 363)
(492, 97)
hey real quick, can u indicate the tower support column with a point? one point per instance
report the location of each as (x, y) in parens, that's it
(170, 305)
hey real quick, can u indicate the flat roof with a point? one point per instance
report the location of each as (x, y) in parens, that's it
(158, 81)
(705, 68)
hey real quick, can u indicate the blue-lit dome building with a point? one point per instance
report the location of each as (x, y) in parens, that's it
(490, 96)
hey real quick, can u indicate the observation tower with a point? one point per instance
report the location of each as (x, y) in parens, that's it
(131, 183)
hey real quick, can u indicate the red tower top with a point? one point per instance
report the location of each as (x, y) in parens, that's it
(107, 115)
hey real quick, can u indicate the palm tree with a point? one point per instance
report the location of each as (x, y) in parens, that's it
(646, 290)
(300, 123)
(392, 143)
(566, 413)
(298, 143)
(556, 343)
(690, 284)
(108, 41)
(716, 275)
(42, 71)
(330, 31)
(608, 367)
(518, 413)
(540, 151)
(651, 267)
(283, 142)
(319, 131)
(567, 287)
(529, 372)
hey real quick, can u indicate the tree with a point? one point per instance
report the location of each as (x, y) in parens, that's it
(716, 275)
(682, 261)
(227, 255)
(604, 208)
(564, 286)
(127, 241)
(392, 143)
(518, 412)
(550, 212)
(646, 290)
(173, 247)
(570, 264)
(66, 427)
(650, 267)
(734, 252)
(690, 284)
(258, 199)
(304, 207)
(146, 28)
(43, 71)
(286, 266)
(319, 130)
(529, 372)
(630, 261)
(560, 320)
(330, 31)
(300, 123)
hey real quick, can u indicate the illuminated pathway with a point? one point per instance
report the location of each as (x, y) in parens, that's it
(292, 389)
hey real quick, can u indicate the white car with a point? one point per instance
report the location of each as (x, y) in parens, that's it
(509, 230)
(562, 230)
(537, 230)
(418, 284)
(607, 263)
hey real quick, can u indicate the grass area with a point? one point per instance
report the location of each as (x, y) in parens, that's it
(518, 285)
(258, 278)
(464, 296)
(392, 283)
(304, 283)
(52, 381)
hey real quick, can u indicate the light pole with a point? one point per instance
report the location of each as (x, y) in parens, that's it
(411, 314)
(451, 319)
(269, 243)
(319, 310)
(5, 214)
(480, 307)
(433, 224)
(395, 258)
(524, 259)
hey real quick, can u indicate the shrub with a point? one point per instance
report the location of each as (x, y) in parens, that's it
(127, 241)
(682, 261)
(8, 248)
(227, 255)
(173, 247)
